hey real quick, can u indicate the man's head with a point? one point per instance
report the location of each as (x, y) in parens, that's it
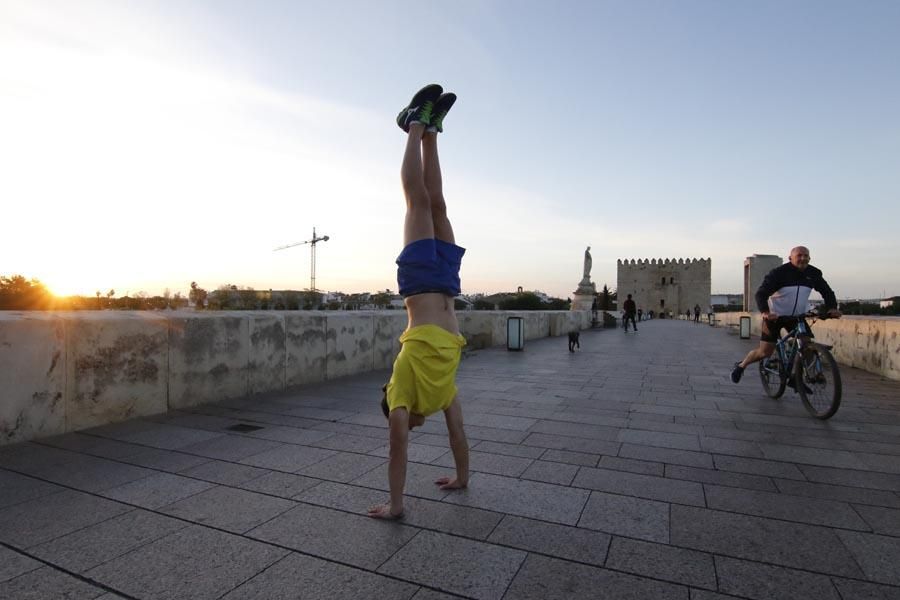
(800, 257)
(629, 296)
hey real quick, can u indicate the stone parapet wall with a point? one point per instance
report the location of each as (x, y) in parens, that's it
(65, 371)
(868, 343)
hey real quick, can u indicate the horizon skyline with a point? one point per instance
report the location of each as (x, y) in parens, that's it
(155, 144)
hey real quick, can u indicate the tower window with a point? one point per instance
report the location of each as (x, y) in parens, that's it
(671, 280)
(663, 281)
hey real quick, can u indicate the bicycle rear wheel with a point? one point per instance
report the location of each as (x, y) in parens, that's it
(818, 382)
(773, 379)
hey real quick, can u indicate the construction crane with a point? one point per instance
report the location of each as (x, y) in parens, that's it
(312, 259)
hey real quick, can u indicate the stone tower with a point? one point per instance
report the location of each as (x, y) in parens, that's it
(665, 285)
(755, 269)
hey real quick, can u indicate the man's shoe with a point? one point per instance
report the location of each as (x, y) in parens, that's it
(420, 108)
(737, 372)
(441, 108)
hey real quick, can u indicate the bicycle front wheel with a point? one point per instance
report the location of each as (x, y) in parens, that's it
(818, 382)
(773, 381)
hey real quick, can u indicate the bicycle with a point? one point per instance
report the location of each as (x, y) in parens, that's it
(808, 365)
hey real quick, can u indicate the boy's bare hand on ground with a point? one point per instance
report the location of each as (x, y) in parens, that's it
(383, 511)
(450, 483)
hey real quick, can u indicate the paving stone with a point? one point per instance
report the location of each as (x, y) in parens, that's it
(228, 508)
(507, 449)
(877, 555)
(157, 490)
(885, 521)
(421, 453)
(41, 519)
(470, 568)
(498, 464)
(288, 458)
(224, 473)
(642, 486)
(812, 456)
(541, 578)
(838, 492)
(768, 582)
(887, 463)
(358, 540)
(861, 479)
(765, 540)
(419, 480)
(165, 460)
(660, 439)
(92, 474)
(542, 501)
(48, 583)
(426, 594)
(754, 466)
(289, 435)
(632, 465)
(782, 506)
(667, 455)
(231, 447)
(730, 446)
(86, 548)
(705, 595)
(572, 458)
(182, 565)
(15, 488)
(491, 434)
(572, 444)
(459, 520)
(561, 541)
(299, 577)
(13, 564)
(168, 437)
(592, 432)
(860, 590)
(276, 483)
(624, 515)
(661, 561)
(350, 443)
(343, 467)
(549, 472)
(726, 478)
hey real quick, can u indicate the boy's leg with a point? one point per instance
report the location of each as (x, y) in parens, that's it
(435, 188)
(418, 224)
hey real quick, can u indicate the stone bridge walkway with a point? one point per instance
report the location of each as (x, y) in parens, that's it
(631, 469)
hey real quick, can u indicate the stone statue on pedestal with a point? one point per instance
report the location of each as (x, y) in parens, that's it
(588, 262)
(584, 295)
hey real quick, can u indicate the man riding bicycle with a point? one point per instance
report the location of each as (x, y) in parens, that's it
(781, 298)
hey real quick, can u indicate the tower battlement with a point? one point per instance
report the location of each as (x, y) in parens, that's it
(665, 285)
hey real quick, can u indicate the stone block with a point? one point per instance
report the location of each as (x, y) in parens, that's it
(228, 508)
(209, 356)
(304, 348)
(469, 568)
(755, 580)
(543, 501)
(224, 473)
(624, 515)
(478, 329)
(342, 467)
(388, 329)
(667, 455)
(157, 490)
(48, 582)
(15, 488)
(737, 480)
(283, 485)
(877, 555)
(548, 538)
(182, 565)
(268, 354)
(299, 576)
(13, 564)
(116, 367)
(782, 506)
(358, 540)
(349, 344)
(485, 462)
(32, 377)
(541, 578)
(550, 472)
(661, 561)
(288, 458)
(642, 486)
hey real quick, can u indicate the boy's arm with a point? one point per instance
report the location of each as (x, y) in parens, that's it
(460, 447)
(398, 422)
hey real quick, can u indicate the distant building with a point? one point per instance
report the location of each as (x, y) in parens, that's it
(756, 268)
(726, 301)
(889, 302)
(665, 285)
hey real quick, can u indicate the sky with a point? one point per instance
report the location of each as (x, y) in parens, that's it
(148, 144)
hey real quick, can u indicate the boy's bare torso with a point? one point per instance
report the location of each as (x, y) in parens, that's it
(432, 309)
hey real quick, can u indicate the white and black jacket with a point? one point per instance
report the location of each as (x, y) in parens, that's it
(785, 290)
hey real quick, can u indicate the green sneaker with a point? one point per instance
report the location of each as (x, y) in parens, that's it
(420, 108)
(441, 108)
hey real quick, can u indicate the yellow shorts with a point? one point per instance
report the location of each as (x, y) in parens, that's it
(424, 376)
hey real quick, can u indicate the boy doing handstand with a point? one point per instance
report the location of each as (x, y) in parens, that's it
(423, 380)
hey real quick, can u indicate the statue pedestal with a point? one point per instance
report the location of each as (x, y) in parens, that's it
(583, 297)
